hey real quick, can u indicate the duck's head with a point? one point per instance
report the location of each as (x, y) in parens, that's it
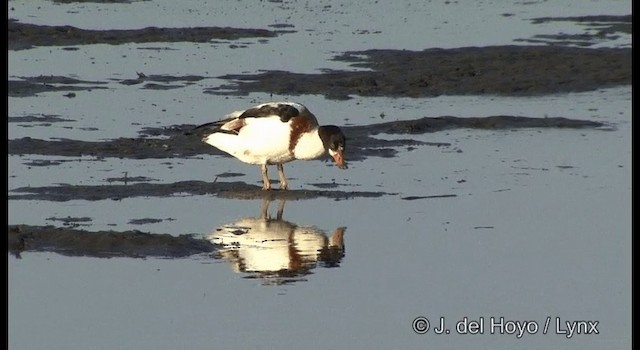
(334, 142)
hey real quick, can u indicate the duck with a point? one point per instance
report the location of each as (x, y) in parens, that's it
(275, 133)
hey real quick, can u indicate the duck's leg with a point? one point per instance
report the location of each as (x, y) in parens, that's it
(266, 184)
(283, 180)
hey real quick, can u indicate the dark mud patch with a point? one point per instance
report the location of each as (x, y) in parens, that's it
(327, 185)
(30, 86)
(128, 179)
(234, 190)
(72, 221)
(608, 24)
(430, 124)
(96, 1)
(43, 162)
(145, 221)
(177, 146)
(53, 162)
(103, 244)
(23, 36)
(41, 118)
(228, 174)
(566, 39)
(494, 70)
(598, 29)
(161, 81)
(413, 198)
(177, 142)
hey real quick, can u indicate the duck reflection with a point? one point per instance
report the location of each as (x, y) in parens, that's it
(275, 250)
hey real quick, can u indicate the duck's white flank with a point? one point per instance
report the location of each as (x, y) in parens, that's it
(250, 144)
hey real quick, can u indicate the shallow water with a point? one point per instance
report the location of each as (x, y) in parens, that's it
(524, 224)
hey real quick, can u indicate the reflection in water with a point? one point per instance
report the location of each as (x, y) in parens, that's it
(275, 250)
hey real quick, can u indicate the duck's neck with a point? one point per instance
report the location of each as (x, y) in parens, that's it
(309, 146)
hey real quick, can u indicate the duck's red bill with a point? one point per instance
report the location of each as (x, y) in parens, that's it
(337, 157)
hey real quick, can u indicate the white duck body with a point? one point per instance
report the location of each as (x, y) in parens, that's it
(251, 146)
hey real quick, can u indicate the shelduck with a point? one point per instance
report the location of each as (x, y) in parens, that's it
(275, 133)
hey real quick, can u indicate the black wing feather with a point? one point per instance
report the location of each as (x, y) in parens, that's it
(286, 112)
(211, 127)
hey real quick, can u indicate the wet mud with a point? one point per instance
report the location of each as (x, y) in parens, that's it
(601, 28)
(511, 70)
(30, 86)
(103, 244)
(235, 190)
(22, 36)
(497, 70)
(179, 142)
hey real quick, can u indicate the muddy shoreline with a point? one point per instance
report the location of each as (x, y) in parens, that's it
(178, 142)
(103, 244)
(555, 67)
(495, 70)
(22, 36)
